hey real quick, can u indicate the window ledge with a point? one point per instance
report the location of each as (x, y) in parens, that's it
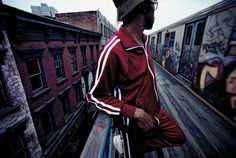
(75, 73)
(60, 81)
(85, 68)
(41, 92)
(8, 110)
(51, 137)
(68, 117)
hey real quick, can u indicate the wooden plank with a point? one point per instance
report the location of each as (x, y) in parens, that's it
(97, 139)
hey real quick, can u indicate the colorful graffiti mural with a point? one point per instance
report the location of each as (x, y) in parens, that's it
(216, 79)
(216, 73)
(218, 33)
(211, 71)
(168, 57)
(205, 57)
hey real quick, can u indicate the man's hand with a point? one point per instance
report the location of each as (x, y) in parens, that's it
(145, 121)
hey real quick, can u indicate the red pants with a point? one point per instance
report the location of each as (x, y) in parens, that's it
(168, 134)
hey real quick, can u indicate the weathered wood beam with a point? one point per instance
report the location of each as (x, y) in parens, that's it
(97, 139)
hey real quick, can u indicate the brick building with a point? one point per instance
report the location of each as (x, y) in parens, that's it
(46, 67)
(91, 20)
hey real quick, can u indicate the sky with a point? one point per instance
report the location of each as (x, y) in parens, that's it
(168, 12)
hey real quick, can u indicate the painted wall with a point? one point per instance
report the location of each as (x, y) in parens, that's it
(216, 73)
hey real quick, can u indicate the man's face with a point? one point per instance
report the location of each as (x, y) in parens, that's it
(149, 16)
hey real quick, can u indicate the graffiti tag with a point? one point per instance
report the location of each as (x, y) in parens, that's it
(214, 47)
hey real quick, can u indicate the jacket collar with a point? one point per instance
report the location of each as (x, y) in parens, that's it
(127, 40)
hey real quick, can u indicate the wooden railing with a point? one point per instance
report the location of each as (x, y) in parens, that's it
(99, 143)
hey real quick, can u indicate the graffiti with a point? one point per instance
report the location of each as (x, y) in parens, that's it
(231, 88)
(170, 61)
(216, 78)
(208, 73)
(188, 64)
(214, 47)
(177, 46)
(233, 102)
(232, 50)
(218, 34)
(231, 82)
(212, 70)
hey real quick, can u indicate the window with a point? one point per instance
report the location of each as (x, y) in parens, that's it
(33, 62)
(35, 73)
(199, 34)
(78, 91)
(101, 29)
(83, 50)
(57, 53)
(188, 35)
(169, 39)
(65, 104)
(172, 39)
(97, 48)
(166, 43)
(104, 29)
(65, 101)
(91, 52)
(45, 115)
(73, 59)
(152, 40)
(159, 38)
(47, 121)
(13, 145)
(58, 62)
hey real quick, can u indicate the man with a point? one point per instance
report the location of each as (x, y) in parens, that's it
(125, 84)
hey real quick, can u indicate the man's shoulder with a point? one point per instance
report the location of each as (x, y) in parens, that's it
(113, 45)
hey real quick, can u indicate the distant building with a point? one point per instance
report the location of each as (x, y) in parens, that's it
(44, 10)
(46, 69)
(91, 20)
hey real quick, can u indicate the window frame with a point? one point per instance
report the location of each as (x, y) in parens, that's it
(199, 33)
(84, 58)
(58, 52)
(64, 96)
(46, 107)
(32, 54)
(74, 63)
(40, 73)
(171, 39)
(91, 47)
(189, 33)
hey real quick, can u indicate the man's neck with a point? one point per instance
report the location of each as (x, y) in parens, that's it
(135, 28)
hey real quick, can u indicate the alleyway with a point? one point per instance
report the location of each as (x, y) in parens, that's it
(208, 134)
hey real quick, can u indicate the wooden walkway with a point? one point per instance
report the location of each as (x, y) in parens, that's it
(208, 135)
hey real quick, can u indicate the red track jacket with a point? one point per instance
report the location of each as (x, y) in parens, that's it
(125, 77)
